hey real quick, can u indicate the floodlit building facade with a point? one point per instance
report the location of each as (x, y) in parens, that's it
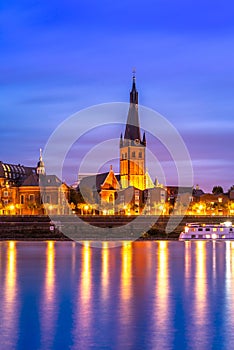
(29, 191)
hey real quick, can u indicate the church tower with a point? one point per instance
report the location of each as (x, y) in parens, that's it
(132, 147)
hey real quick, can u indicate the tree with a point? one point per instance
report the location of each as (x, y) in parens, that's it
(217, 190)
(85, 195)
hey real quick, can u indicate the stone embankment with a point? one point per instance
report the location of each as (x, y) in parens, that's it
(43, 228)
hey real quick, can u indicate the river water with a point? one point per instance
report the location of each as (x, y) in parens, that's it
(140, 295)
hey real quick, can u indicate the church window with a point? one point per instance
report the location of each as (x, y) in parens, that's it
(31, 198)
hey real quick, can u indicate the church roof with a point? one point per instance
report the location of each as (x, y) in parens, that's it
(31, 180)
(50, 180)
(132, 130)
(15, 173)
(110, 182)
(94, 182)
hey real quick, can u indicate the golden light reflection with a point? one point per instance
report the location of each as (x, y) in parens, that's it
(214, 259)
(125, 291)
(73, 256)
(200, 297)
(11, 269)
(228, 264)
(162, 275)
(50, 273)
(86, 271)
(84, 304)
(187, 262)
(229, 286)
(126, 271)
(161, 295)
(10, 314)
(48, 314)
(83, 298)
(105, 269)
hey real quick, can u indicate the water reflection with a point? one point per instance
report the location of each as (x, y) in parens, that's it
(161, 310)
(143, 295)
(83, 300)
(125, 296)
(229, 295)
(126, 273)
(10, 314)
(105, 270)
(48, 307)
(200, 298)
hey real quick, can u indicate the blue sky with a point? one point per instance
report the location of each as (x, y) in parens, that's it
(60, 57)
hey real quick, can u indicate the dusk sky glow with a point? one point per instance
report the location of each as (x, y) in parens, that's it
(60, 57)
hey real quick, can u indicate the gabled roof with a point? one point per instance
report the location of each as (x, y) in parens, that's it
(94, 182)
(110, 181)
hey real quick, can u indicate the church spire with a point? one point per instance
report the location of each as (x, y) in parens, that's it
(134, 92)
(132, 131)
(40, 165)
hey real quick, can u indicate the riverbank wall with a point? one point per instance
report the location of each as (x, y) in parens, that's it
(43, 228)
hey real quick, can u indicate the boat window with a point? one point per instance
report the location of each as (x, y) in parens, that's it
(207, 229)
(200, 229)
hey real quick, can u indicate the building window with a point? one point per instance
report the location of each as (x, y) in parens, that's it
(133, 154)
(140, 154)
(111, 198)
(122, 155)
(5, 201)
(22, 199)
(47, 199)
(126, 155)
(31, 198)
(5, 194)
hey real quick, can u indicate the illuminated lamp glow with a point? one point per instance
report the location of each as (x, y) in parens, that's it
(228, 223)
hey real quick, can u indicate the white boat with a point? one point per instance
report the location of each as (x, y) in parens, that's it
(224, 230)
